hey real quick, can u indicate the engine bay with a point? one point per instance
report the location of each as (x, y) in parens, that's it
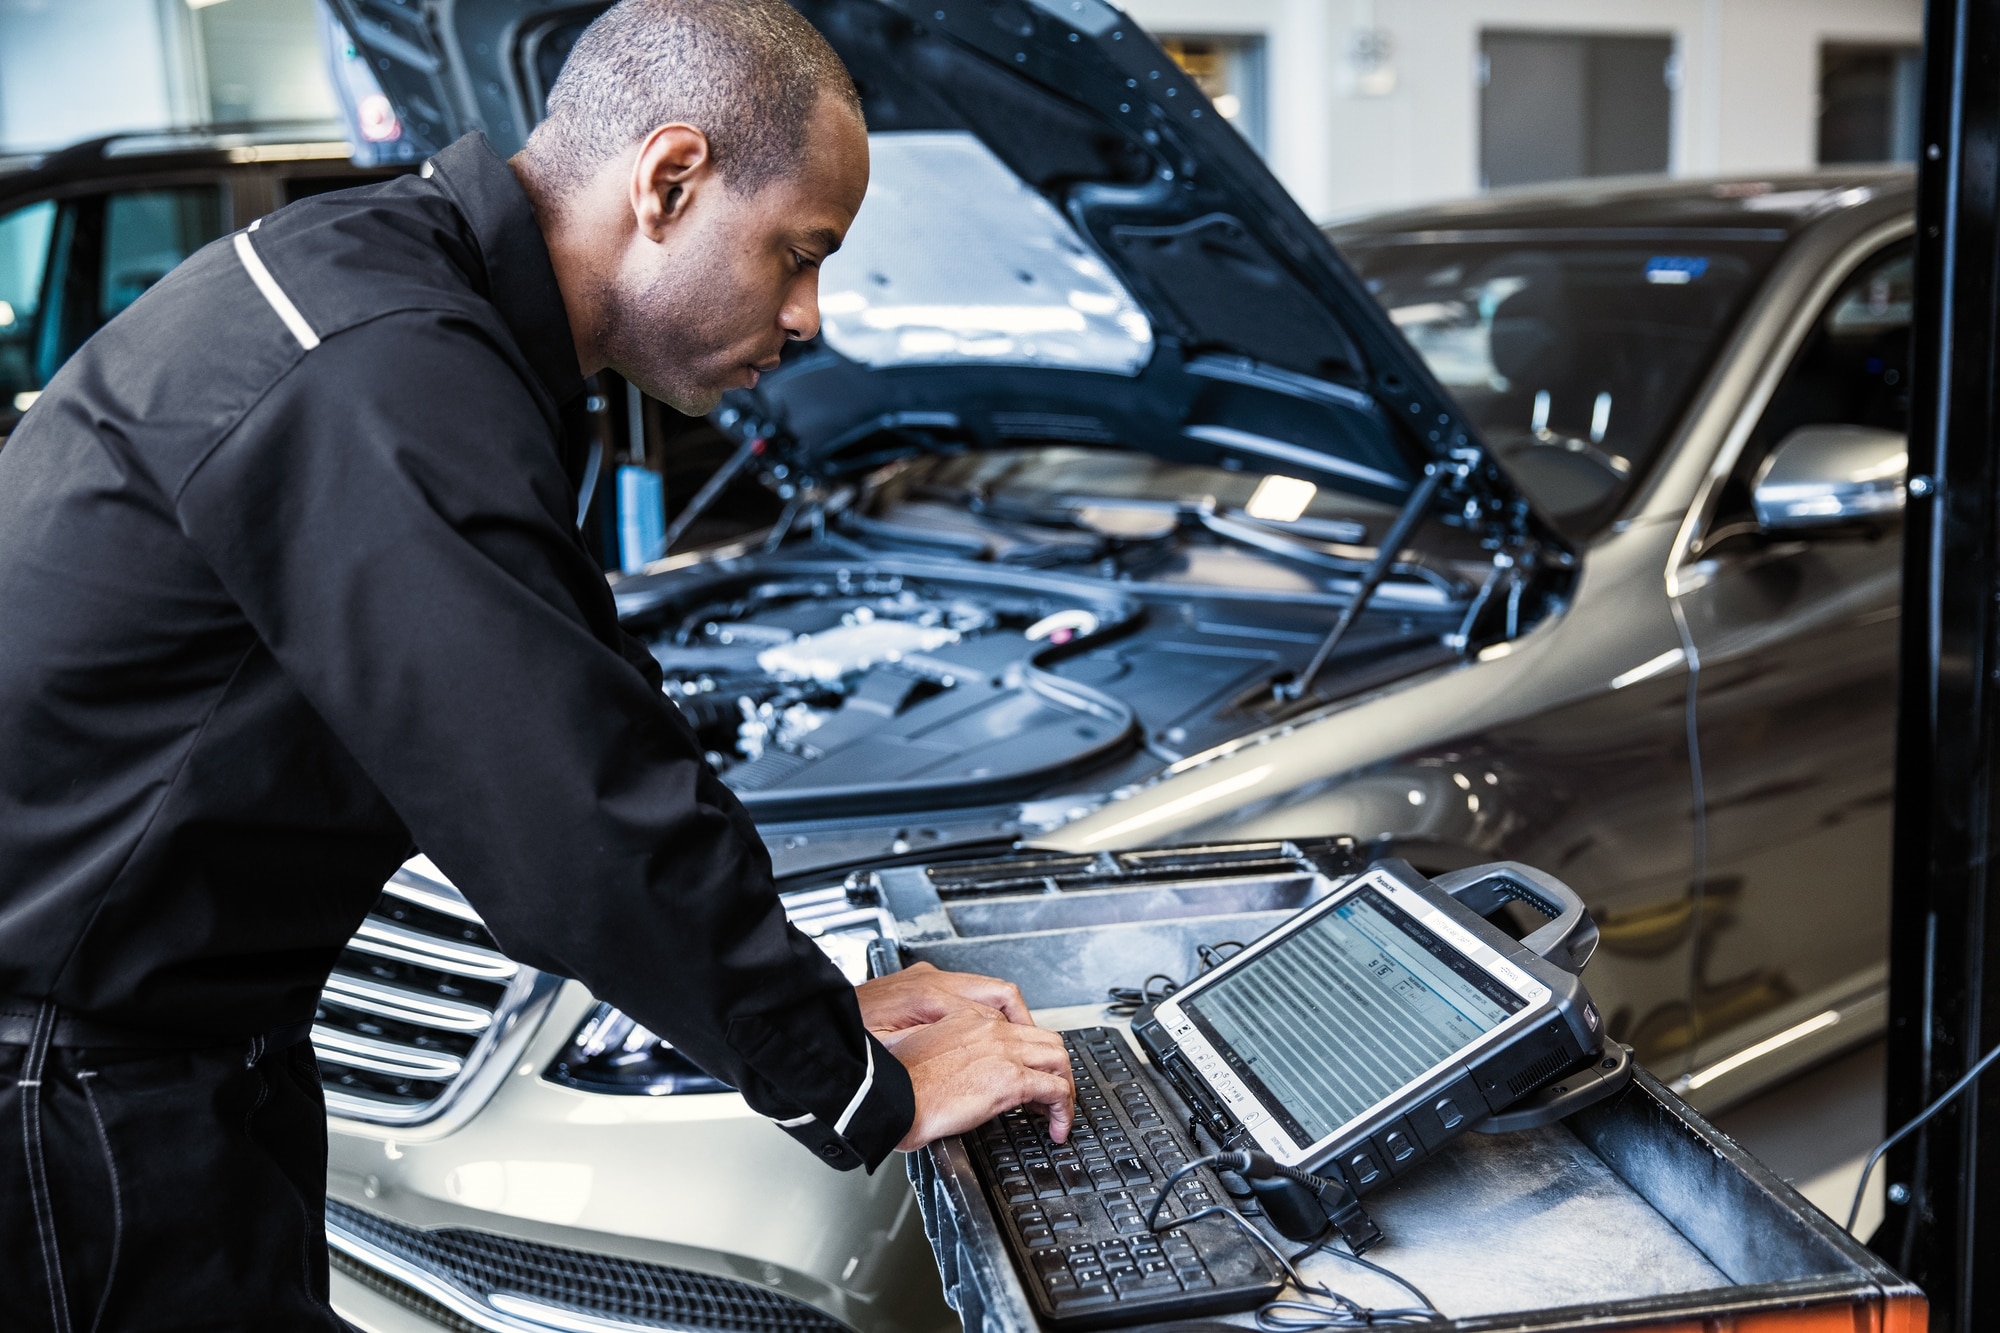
(818, 683)
(949, 631)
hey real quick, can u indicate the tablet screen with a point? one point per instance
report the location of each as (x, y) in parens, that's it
(1345, 1011)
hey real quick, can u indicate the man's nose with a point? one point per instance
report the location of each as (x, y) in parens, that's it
(800, 315)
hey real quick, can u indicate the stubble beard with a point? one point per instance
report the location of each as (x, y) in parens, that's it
(663, 337)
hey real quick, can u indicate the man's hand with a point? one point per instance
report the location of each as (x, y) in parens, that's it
(970, 1066)
(896, 1005)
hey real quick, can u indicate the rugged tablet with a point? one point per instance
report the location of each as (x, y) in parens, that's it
(1388, 1018)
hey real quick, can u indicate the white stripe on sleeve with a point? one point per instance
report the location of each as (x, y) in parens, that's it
(860, 1093)
(274, 294)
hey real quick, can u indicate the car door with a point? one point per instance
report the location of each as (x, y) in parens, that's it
(67, 266)
(1796, 637)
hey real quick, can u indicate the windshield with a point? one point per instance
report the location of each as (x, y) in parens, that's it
(1574, 356)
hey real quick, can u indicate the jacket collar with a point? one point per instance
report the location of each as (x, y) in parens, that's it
(520, 279)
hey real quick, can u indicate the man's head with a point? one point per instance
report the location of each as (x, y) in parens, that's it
(700, 159)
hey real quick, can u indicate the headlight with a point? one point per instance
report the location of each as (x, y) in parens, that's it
(611, 1053)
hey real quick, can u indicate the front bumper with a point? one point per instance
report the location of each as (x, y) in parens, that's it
(552, 1208)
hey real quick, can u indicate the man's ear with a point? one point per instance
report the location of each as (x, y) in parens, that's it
(672, 165)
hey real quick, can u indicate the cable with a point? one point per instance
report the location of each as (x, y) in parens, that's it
(1211, 955)
(1317, 1244)
(1396, 1278)
(1965, 1081)
(1273, 1316)
(1128, 1000)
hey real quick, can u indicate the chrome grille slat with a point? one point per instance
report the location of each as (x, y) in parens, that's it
(354, 1051)
(409, 1006)
(388, 940)
(423, 1014)
(411, 887)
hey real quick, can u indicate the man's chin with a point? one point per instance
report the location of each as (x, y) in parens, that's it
(693, 402)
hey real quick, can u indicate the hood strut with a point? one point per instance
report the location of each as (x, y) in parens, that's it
(1386, 551)
(711, 488)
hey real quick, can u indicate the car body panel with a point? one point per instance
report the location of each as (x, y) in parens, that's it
(1795, 704)
(694, 1182)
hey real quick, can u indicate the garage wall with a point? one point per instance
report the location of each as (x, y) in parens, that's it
(51, 93)
(1748, 100)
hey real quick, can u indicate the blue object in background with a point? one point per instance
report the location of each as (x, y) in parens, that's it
(1675, 270)
(642, 518)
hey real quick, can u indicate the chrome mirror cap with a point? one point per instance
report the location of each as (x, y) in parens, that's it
(1819, 476)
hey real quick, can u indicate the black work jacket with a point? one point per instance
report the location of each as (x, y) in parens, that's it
(290, 584)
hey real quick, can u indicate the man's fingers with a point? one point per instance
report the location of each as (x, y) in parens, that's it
(922, 994)
(1057, 1100)
(1002, 995)
(975, 1064)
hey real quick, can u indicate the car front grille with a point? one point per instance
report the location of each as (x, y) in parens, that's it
(421, 1007)
(423, 1014)
(475, 1279)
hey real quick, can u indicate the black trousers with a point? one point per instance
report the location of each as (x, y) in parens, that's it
(162, 1189)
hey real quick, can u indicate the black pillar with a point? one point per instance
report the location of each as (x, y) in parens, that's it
(1945, 938)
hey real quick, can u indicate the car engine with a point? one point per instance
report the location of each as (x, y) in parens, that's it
(786, 672)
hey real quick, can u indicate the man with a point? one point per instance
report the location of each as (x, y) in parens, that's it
(290, 584)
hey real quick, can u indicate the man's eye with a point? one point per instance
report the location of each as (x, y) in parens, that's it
(804, 261)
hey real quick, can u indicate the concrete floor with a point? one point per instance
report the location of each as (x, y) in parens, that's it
(1818, 1129)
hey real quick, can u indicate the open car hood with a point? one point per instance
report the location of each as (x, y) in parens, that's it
(1064, 241)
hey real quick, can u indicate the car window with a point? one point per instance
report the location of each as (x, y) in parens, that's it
(106, 250)
(148, 232)
(1852, 370)
(1575, 356)
(24, 259)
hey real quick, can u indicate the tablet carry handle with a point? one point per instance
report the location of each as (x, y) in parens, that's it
(1570, 937)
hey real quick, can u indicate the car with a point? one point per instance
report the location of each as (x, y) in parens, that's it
(1114, 508)
(85, 230)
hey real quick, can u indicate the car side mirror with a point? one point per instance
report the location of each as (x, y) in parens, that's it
(1826, 476)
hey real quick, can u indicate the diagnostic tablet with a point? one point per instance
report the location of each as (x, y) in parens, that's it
(1380, 1022)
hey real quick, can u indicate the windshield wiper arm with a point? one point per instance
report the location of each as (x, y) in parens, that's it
(1412, 513)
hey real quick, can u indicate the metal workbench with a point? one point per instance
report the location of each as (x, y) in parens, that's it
(1632, 1214)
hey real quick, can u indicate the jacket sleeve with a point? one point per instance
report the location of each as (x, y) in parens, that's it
(394, 522)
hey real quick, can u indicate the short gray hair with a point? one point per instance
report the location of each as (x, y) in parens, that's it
(747, 73)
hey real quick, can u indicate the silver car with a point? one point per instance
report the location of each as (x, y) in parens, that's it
(1114, 508)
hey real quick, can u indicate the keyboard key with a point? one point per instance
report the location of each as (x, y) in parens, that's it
(1083, 1259)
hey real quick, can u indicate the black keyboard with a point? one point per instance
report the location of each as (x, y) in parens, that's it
(1074, 1213)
